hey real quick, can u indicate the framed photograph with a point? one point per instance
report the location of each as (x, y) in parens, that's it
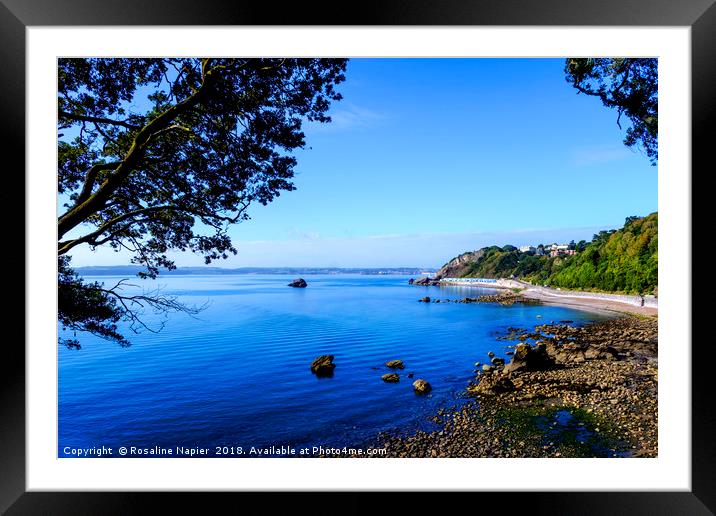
(405, 250)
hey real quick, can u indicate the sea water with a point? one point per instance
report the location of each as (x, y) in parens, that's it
(236, 376)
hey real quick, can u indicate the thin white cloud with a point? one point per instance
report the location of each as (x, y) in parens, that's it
(295, 233)
(350, 116)
(586, 156)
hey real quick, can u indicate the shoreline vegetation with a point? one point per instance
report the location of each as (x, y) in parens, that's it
(567, 391)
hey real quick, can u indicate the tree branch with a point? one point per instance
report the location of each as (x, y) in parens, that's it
(97, 120)
(91, 177)
(94, 203)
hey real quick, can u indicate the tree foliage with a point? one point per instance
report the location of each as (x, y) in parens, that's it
(160, 155)
(624, 260)
(618, 261)
(629, 85)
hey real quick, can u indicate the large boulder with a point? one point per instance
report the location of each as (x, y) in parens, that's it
(390, 378)
(395, 364)
(420, 386)
(493, 384)
(298, 283)
(323, 366)
(528, 358)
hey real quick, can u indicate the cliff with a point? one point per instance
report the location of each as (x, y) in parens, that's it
(459, 266)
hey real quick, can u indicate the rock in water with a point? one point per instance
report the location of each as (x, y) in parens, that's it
(395, 364)
(323, 366)
(421, 386)
(390, 378)
(426, 281)
(426, 299)
(298, 283)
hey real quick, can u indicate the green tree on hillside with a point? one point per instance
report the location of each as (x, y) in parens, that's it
(616, 261)
(624, 260)
(156, 155)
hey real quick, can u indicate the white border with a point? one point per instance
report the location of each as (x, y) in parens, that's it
(671, 470)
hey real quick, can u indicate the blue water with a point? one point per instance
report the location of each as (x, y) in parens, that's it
(237, 374)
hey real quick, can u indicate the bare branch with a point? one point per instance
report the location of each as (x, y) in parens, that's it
(97, 120)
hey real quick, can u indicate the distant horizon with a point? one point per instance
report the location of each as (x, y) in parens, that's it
(210, 266)
(430, 246)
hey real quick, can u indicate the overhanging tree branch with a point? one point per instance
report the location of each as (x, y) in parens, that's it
(97, 120)
(212, 136)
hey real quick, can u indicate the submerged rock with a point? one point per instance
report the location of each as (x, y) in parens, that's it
(420, 386)
(323, 365)
(390, 378)
(298, 283)
(395, 364)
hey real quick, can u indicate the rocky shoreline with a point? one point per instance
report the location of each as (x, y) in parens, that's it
(503, 298)
(567, 391)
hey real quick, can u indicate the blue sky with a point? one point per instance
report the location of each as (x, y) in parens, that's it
(428, 158)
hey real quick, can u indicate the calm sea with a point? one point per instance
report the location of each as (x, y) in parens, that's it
(238, 373)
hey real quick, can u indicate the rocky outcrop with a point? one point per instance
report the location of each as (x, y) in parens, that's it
(426, 282)
(390, 378)
(298, 283)
(458, 266)
(505, 298)
(420, 386)
(493, 383)
(528, 358)
(323, 366)
(612, 402)
(395, 364)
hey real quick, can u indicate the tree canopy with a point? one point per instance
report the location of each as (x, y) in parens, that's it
(629, 85)
(159, 155)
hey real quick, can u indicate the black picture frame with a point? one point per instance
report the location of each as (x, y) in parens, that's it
(16, 15)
